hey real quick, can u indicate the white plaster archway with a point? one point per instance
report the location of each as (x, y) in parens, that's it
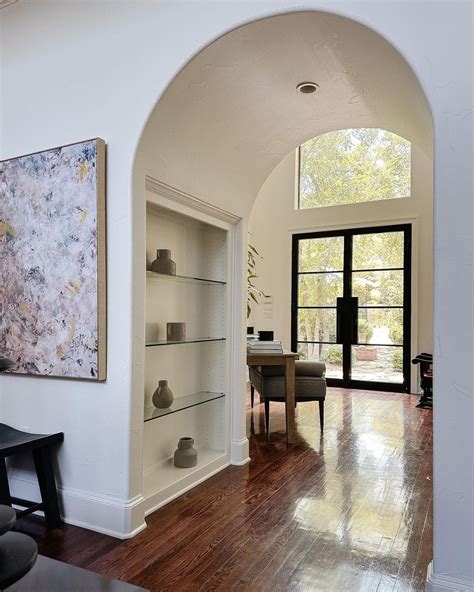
(97, 68)
(232, 114)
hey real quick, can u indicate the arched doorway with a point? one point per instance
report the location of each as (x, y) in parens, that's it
(233, 113)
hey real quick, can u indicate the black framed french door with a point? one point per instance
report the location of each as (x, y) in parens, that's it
(351, 305)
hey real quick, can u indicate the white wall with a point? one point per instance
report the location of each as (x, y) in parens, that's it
(274, 219)
(77, 70)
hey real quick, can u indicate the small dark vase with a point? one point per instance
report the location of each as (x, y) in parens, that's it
(163, 396)
(185, 455)
(163, 263)
(176, 331)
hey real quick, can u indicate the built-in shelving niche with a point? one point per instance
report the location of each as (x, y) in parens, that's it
(196, 369)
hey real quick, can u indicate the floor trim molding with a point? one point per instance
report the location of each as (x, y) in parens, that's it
(239, 454)
(115, 517)
(241, 463)
(445, 583)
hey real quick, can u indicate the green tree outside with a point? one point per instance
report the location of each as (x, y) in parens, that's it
(351, 166)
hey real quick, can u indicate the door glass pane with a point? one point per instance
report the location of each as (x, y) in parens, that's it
(321, 254)
(317, 324)
(377, 251)
(320, 289)
(378, 288)
(331, 355)
(377, 279)
(381, 325)
(377, 364)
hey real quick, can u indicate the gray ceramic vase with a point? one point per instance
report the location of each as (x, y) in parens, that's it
(163, 396)
(176, 331)
(185, 455)
(163, 263)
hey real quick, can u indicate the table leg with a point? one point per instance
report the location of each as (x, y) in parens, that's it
(4, 488)
(290, 399)
(47, 485)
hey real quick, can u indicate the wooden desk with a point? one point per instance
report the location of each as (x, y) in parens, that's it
(286, 359)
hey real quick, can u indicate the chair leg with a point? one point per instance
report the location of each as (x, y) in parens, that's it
(321, 414)
(252, 395)
(267, 415)
(47, 485)
(5, 498)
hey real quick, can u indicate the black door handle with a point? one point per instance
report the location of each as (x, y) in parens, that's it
(340, 320)
(354, 316)
(347, 311)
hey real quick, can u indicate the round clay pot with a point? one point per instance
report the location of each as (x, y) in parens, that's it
(176, 331)
(185, 455)
(163, 263)
(163, 396)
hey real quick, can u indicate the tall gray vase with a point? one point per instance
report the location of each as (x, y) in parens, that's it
(176, 331)
(163, 263)
(163, 396)
(185, 455)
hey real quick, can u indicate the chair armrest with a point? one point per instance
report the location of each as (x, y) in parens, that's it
(310, 368)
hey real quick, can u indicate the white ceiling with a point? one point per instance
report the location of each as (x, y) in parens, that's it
(5, 3)
(233, 113)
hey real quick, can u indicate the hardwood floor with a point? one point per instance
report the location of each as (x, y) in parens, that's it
(347, 511)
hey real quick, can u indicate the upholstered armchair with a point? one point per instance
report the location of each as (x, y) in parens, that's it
(269, 382)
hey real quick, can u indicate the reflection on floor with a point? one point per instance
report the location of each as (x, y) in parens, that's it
(350, 511)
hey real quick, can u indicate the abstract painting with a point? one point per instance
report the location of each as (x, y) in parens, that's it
(52, 252)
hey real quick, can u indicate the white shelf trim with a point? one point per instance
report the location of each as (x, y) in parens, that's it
(186, 199)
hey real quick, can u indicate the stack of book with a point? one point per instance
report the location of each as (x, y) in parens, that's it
(264, 347)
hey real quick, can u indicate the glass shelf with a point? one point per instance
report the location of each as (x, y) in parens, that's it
(182, 403)
(195, 340)
(183, 279)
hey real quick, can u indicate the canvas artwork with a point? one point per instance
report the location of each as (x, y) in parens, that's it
(52, 251)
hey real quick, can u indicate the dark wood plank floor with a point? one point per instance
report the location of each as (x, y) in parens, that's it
(347, 511)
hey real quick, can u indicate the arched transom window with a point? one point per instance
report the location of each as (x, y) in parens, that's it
(353, 166)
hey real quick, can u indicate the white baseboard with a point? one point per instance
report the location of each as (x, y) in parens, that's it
(446, 583)
(115, 517)
(241, 463)
(239, 454)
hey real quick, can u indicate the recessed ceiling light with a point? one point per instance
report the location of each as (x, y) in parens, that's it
(307, 88)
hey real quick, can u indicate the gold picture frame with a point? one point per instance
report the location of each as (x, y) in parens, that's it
(53, 273)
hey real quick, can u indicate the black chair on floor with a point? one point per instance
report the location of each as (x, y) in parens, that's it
(14, 442)
(425, 360)
(269, 382)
